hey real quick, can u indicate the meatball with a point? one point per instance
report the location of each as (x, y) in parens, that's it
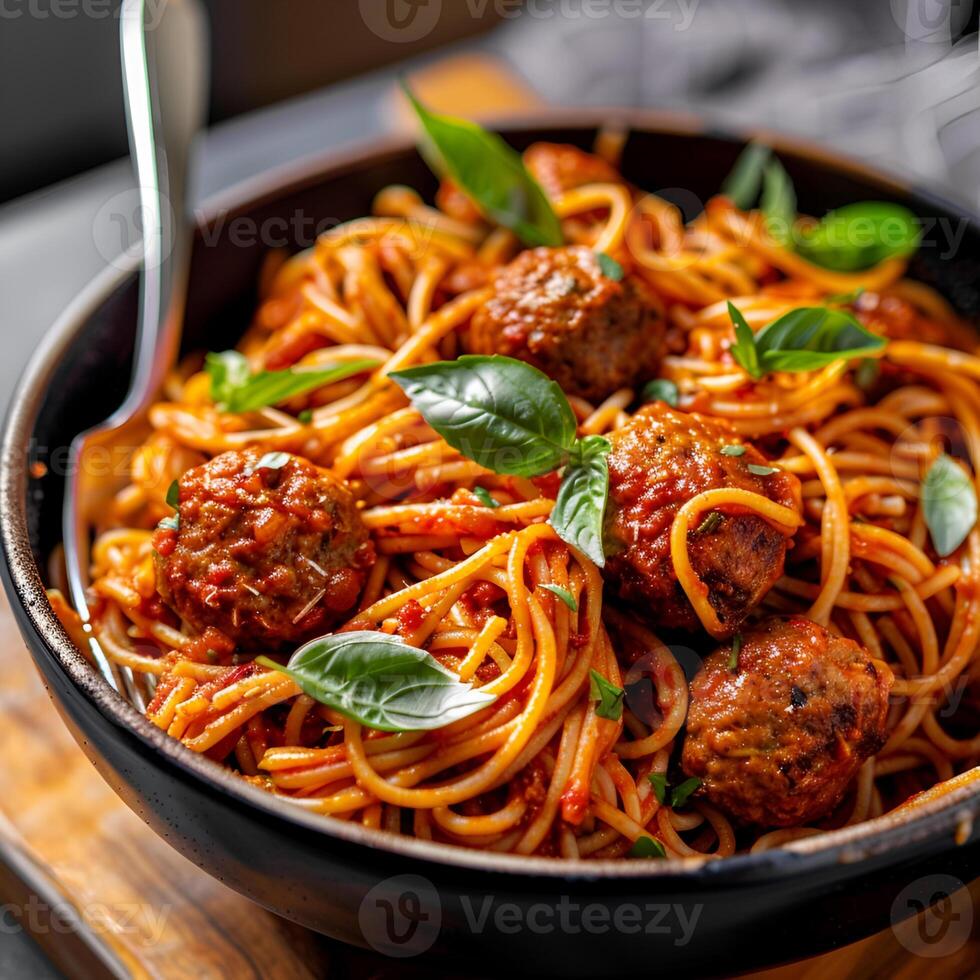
(776, 738)
(660, 460)
(559, 167)
(268, 554)
(554, 308)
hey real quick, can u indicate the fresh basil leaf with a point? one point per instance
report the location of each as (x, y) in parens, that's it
(491, 173)
(236, 390)
(762, 470)
(483, 495)
(743, 183)
(844, 299)
(733, 450)
(744, 349)
(608, 696)
(682, 793)
(171, 523)
(504, 414)
(736, 650)
(949, 503)
(860, 236)
(173, 495)
(380, 681)
(811, 337)
(306, 416)
(778, 202)
(658, 780)
(609, 267)
(562, 594)
(661, 390)
(647, 847)
(580, 507)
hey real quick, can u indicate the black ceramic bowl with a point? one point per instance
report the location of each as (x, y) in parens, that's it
(485, 910)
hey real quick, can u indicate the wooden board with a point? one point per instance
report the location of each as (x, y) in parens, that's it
(104, 896)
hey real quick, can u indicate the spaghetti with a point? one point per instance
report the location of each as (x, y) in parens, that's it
(467, 567)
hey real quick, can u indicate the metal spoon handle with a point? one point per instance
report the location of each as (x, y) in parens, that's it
(164, 59)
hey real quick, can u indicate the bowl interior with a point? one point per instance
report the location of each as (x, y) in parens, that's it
(683, 164)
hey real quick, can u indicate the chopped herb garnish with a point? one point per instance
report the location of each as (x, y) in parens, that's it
(762, 470)
(173, 495)
(306, 416)
(609, 267)
(710, 524)
(733, 450)
(647, 847)
(736, 650)
(609, 697)
(680, 794)
(171, 523)
(660, 390)
(867, 373)
(658, 780)
(483, 495)
(562, 594)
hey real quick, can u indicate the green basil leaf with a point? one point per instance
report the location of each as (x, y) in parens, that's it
(860, 236)
(580, 507)
(681, 794)
(498, 411)
(173, 495)
(949, 502)
(844, 299)
(658, 780)
(491, 173)
(562, 594)
(811, 337)
(733, 450)
(235, 389)
(744, 349)
(380, 681)
(778, 202)
(736, 650)
(762, 470)
(306, 416)
(609, 267)
(647, 847)
(483, 495)
(660, 390)
(608, 696)
(743, 183)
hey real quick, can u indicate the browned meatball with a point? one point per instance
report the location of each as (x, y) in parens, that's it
(554, 308)
(659, 461)
(269, 555)
(776, 740)
(559, 167)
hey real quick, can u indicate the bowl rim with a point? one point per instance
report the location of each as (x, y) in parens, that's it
(947, 814)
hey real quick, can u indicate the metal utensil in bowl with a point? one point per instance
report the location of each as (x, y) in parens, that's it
(164, 58)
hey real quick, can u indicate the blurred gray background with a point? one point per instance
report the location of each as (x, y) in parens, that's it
(893, 81)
